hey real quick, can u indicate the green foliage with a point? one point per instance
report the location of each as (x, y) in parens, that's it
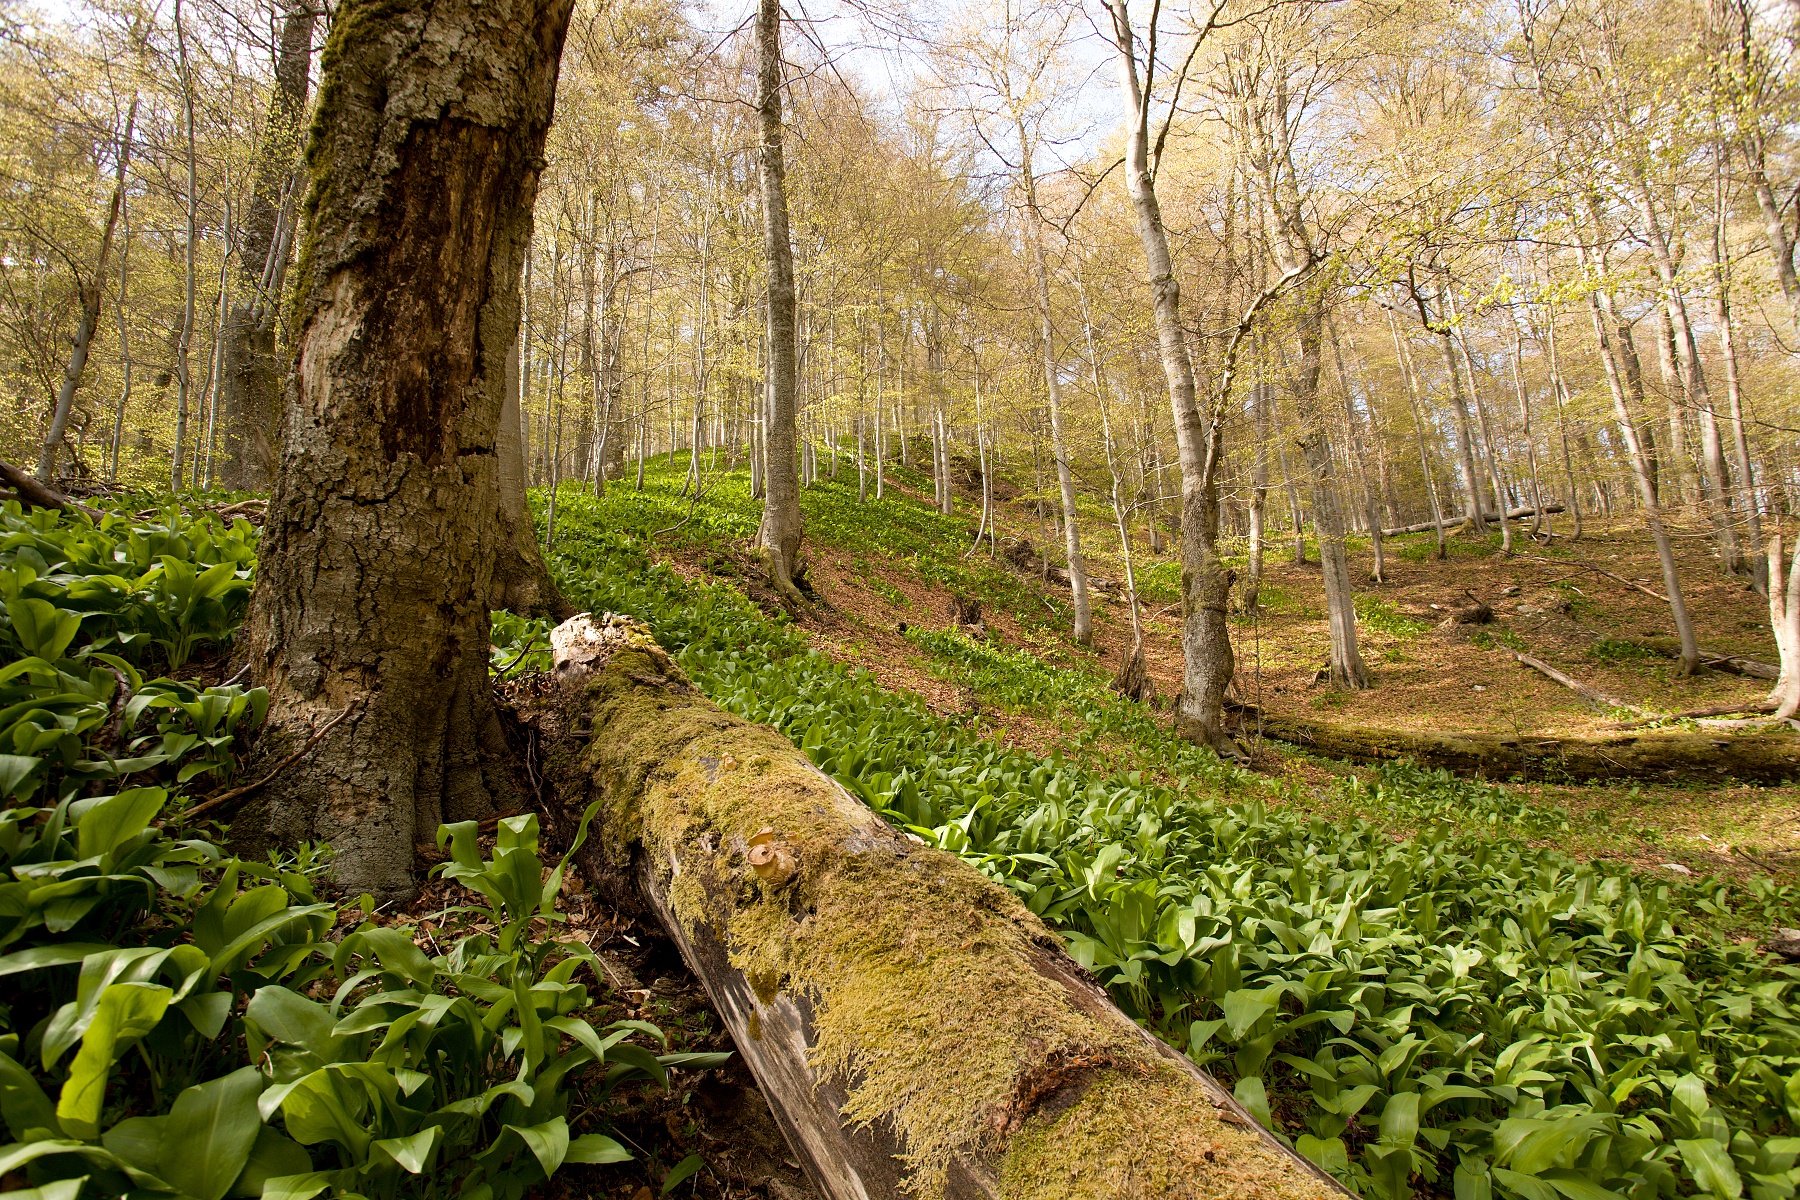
(1458, 1011)
(1382, 616)
(1615, 650)
(164, 1030)
(518, 645)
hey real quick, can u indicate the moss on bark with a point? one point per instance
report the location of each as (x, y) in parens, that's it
(941, 1006)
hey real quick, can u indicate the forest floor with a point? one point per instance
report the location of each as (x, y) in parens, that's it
(880, 580)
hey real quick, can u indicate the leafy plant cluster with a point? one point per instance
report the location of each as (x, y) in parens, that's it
(182, 1022)
(1381, 615)
(1458, 1011)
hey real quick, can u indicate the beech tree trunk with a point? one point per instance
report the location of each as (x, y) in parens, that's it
(250, 381)
(1207, 659)
(378, 556)
(780, 533)
(914, 1028)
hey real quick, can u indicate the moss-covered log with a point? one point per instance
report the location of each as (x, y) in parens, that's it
(914, 1027)
(1771, 757)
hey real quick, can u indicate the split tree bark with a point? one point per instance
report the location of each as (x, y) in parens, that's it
(912, 1025)
(781, 531)
(377, 560)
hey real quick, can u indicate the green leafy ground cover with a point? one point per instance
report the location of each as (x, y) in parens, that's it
(1455, 1009)
(182, 1022)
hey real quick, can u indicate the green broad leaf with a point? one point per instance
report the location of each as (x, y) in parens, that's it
(62, 1189)
(274, 1156)
(126, 1012)
(303, 1185)
(286, 1016)
(137, 1140)
(1710, 1164)
(19, 776)
(1454, 1091)
(114, 821)
(1200, 1032)
(1577, 1186)
(1400, 1120)
(399, 954)
(547, 1141)
(700, 1060)
(1527, 1187)
(28, 1111)
(1244, 1008)
(207, 1012)
(412, 1153)
(681, 1171)
(629, 1056)
(1326, 1153)
(1471, 1181)
(44, 630)
(1250, 1093)
(212, 1128)
(596, 1148)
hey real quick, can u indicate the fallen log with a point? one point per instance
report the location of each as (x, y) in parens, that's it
(30, 491)
(1771, 757)
(913, 1027)
(1592, 695)
(1715, 660)
(1514, 514)
(1721, 710)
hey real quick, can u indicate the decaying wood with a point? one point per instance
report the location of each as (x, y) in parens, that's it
(1133, 678)
(1771, 757)
(1633, 584)
(36, 494)
(1712, 660)
(1513, 514)
(911, 1024)
(1592, 695)
(1723, 710)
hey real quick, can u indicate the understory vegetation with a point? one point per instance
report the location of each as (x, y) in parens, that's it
(1427, 999)
(182, 1021)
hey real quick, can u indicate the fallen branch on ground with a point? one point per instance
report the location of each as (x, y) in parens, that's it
(1515, 514)
(1592, 695)
(1723, 710)
(1587, 566)
(39, 495)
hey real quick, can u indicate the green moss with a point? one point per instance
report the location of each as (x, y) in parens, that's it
(931, 1005)
(1143, 1138)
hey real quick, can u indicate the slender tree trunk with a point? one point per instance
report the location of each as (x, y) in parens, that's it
(182, 382)
(1412, 401)
(1646, 485)
(1259, 495)
(1537, 493)
(125, 360)
(1208, 663)
(250, 381)
(1734, 395)
(377, 561)
(1784, 623)
(780, 533)
(1353, 428)
(1059, 447)
(92, 295)
(1560, 392)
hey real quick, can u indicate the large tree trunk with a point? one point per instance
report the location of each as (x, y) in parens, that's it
(779, 536)
(912, 1025)
(250, 381)
(378, 559)
(1207, 660)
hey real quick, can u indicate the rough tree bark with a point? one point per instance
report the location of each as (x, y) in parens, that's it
(913, 1026)
(377, 560)
(780, 533)
(250, 383)
(1207, 660)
